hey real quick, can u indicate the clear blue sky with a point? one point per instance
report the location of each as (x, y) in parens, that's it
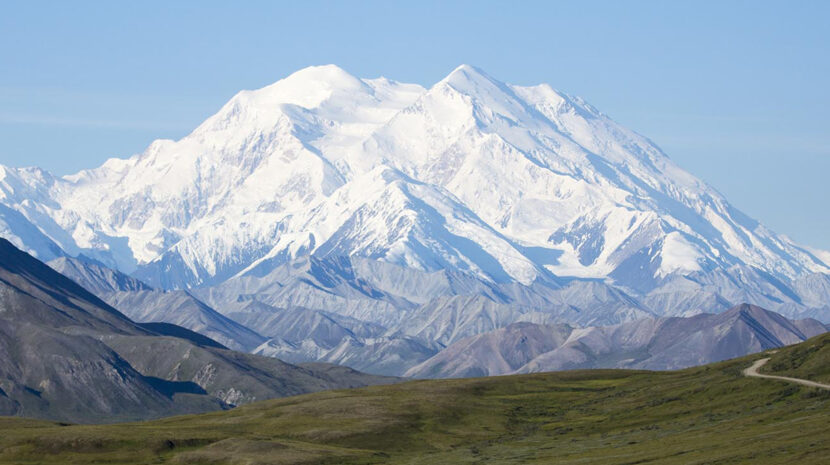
(736, 92)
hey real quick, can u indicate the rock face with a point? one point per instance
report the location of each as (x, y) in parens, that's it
(67, 355)
(654, 344)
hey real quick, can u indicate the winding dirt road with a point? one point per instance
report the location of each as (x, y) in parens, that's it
(753, 372)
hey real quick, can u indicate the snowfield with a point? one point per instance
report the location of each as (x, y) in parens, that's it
(504, 182)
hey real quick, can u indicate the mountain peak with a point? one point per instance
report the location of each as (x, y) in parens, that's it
(309, 87)
(467, 69)
(509, 176)
(745, 309)
(465, 76)
(323, 73)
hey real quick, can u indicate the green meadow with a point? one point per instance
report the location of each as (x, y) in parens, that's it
(704, 415)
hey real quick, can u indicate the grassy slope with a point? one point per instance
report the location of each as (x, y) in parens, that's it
(810, 360)
(702, 415)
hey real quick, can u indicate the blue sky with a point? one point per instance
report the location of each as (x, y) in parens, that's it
(735, 92)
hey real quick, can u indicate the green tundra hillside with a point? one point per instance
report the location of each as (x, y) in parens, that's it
(710, 414)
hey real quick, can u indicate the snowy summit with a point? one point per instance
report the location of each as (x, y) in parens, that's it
(502, 182)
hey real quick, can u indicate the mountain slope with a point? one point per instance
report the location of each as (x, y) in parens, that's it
(710, 414)
(95, 277)
(182, 309)
(505, 183)
(67, 355)
(142, 303)
(655, 344)
(52, 361)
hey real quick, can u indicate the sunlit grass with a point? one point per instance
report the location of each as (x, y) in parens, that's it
(709, 414)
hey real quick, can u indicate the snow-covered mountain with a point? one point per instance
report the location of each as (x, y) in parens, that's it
(508, 185)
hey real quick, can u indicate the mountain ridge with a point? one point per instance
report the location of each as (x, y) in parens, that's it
(511, 185)
(653, 344)
(67, 355)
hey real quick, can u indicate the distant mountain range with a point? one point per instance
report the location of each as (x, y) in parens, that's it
(508, 184)
(654, 344)
(450, 336)
(67, 355)
(379, 225)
